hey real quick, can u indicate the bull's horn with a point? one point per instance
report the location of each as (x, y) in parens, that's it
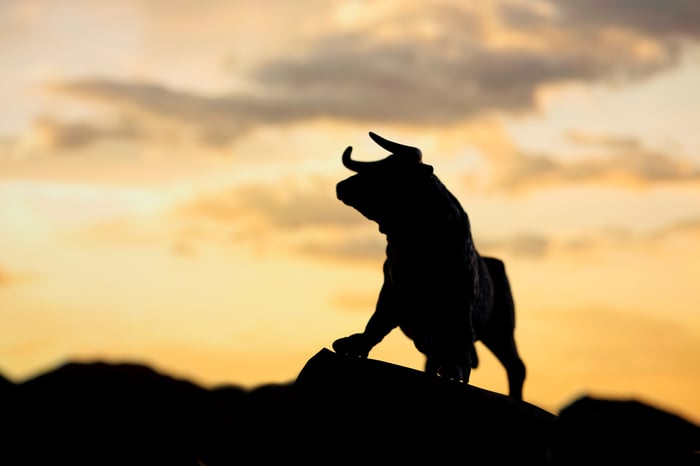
(355, 165)
(396, 148)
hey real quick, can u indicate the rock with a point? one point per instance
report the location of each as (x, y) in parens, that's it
(374, 412)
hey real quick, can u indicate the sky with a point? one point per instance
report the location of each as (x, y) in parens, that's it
(168, 171)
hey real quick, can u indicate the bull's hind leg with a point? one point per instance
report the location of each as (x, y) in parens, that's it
(507, 353)
(498, 336)
(431, 366)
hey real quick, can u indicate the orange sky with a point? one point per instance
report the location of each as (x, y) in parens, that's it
(168, 170)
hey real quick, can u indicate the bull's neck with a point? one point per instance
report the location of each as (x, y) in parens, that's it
(411, 236)
(418, 233)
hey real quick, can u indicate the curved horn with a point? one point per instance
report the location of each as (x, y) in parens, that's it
(396, 148)
(355, 165)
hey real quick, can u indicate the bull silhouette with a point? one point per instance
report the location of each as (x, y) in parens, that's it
(437, 288)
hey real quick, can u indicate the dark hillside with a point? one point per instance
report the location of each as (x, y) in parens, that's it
(339, 410)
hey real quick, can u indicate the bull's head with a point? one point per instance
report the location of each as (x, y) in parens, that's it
(385, 190)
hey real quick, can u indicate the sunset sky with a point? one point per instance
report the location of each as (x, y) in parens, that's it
(168, 171)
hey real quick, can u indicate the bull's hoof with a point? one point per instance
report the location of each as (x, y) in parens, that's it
(456, 373)
(354, 346)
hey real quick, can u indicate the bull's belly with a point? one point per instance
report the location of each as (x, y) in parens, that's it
(426, 330)
(432, 308)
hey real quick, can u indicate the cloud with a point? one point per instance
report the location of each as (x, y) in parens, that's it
(449, 62)
(437, 64)
(55, 134)
(690, 226)
(308, 220)
(677, 19)
(622, 238)
(609, 159)
(214, 120)
(521, 245)
(347, 249)
(286, 205)
(303, 216)
(538, 246)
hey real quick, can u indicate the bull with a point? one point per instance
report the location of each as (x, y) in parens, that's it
(438, 289)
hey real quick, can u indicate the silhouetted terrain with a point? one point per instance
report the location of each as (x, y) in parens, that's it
(339, 410)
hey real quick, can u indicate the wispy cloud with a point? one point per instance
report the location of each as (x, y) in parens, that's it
(684, 226)
(537, 246)
(57, 135)
(215, 120)
(370, 249)
(316, 225)
(287, 205)
(606, 159)
(641, 168)
(519, 245)
(304, 218)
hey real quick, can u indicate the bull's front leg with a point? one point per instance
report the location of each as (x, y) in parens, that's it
(450, 353)
(355, 345)
(382, 321)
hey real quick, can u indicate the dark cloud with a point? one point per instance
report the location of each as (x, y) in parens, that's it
(389, 71)
(435, 64)
(215, 120)
(677, 18)
(409, 82)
